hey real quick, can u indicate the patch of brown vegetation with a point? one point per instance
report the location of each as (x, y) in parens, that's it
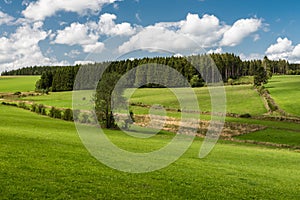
(172, 125)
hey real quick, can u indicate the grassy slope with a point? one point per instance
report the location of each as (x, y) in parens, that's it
(44, 158)
(286, 93)
(17, 83)
(61, 99)
(240, 99)
(57, 99)
(276, 136)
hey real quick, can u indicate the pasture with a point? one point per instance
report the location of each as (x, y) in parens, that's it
(240, 99)
(44, 158)
(286, 93)
(14, 84)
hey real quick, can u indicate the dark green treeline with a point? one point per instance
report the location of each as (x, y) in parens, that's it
(229, 65)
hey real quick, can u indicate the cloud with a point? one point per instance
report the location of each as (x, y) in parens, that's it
(83, 62)
(88, 35)
(252, 56)
(39, 10)
(79, 34)
(240, 30)
(208, 24)
(296, 51)
(284, 49)
(218, 50)
(22, 49)
(25, 2)
(207, 31)
(137, 16)
(282, 45)
(107, 26)
(98, 47)
(74, 34)
(281, 50)
(5, 18)
(158, 37)
(116, 6)
(178, 36)
(256, 37)
(73, 53)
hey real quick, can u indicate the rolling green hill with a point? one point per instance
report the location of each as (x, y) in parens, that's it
(240, 99)
(44, 158)
(285, 91)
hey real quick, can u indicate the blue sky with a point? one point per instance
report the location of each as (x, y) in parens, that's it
(66, 32)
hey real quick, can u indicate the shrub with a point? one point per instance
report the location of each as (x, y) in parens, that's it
(55, 113)
(51, 112)
(230, 81)
(68, 115)
(17, 93)
(22, 105)
(247, 115)
(9, 104)
(34, 108)
(58, 114)
(41, 109)
(196, 81)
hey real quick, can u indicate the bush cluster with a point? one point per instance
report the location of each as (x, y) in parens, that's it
(39, 109)
(64, 114)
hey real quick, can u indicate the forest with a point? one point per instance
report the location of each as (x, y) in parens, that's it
(230, 66)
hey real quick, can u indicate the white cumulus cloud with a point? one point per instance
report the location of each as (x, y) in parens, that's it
(5, 18)
(218, 50)
(284, 49)
(282, 45)
(281, 50)
(206, 31)
(21, 49)
(159, 38)
(107, 26)
(97, 47)
(79, 34)
(88, 35)
(296, 51)
(240, 30)
(39, 10)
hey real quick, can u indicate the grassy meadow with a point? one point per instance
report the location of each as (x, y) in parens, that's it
(44, 158)
(286, 93)
(240, 99)
(17, 83)
(277, 136)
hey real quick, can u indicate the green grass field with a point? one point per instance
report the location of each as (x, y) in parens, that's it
(277, 136)
(57, 99)
(17, 83)
(44, 158)
(240, 99)
(286, 93)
